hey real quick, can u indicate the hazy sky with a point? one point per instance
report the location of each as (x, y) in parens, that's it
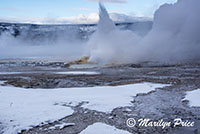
(69, 8)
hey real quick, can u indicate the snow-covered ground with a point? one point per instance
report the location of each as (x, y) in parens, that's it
(61, 126)
(78, 73)
(12, 73)
(100, 128)
(193, 97)
(2, 82)
(22, 108)
(64, 73)
(5, 73)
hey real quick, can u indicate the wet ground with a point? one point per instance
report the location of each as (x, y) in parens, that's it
(165, 103)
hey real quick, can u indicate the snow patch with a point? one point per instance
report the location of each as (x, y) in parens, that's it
(61, 126)
(100, 128)
(2, 82)
(193, 97)
(23, 108)
(78, 73)
(5, 73)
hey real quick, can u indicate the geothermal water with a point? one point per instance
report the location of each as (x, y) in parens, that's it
(175, 36)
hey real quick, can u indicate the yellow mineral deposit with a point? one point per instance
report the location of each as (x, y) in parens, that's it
(83, 60)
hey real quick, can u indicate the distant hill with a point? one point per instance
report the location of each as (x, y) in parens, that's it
(69, 31)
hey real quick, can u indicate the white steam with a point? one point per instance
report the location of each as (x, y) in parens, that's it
(175, 36)
(23, 47)
(176, 32)
(108, 43)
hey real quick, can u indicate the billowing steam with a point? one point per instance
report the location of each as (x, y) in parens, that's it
(108, 43)
(176, 32)
(41, 45)
(175, 36)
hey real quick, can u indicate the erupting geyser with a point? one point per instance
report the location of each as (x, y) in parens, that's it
(175, 36)
(109, 44)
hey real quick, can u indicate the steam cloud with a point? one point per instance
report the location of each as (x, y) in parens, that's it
(109, 44)
(175, 36)
(58, 46)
